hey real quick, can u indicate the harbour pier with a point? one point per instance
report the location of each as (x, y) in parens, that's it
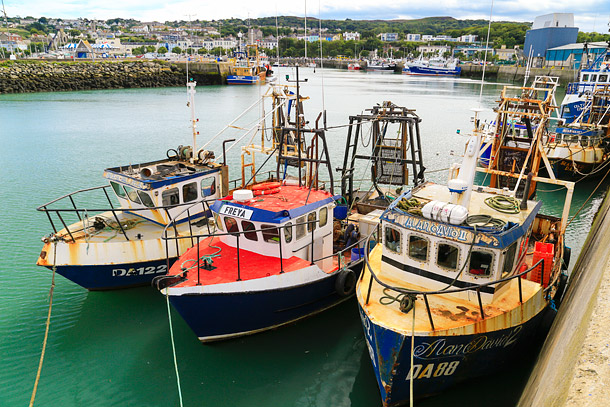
(573, 368)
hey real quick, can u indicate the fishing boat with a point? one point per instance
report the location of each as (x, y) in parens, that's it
(592, 76)
(465, 278)
(353, 66)
(278, 254)
(121, 246)
(436, 66)
(247, 68)
(380, 65)
(581, 148)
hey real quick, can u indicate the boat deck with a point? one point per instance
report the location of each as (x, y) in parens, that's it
(430, 191)
(451, 315)
(285, 197)
(135, 227)
(224, 264)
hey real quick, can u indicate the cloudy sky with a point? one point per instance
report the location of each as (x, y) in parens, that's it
(589, 15)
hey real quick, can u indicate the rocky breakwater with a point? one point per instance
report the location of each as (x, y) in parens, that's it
(51, 76)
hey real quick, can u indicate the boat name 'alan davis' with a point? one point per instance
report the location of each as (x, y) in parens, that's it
(463, 278)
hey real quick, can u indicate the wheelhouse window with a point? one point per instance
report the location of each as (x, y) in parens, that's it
(447, 256)
(480, 263)
(231, 225)
(603, 78)
(509, 259)
(418, 248)
(189, 192)
(271, 234)
(300, 227)
(249, 230)
(323, 216)
(311, 222)
(392, 239)
(170, 197)
(146, 199)
(132, 194)
(288, 232)
(208, 186)
(585, 77)
(118, 190)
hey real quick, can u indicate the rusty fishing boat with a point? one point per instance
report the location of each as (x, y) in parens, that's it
(100, 245)
(465, 277)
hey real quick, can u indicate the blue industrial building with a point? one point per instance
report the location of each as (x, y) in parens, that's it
(549, 31)
(570, 55)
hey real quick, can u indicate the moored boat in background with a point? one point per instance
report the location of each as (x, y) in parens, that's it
(436, 66)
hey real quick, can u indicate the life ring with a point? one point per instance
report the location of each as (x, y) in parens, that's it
(266, 191)
(265, 186)
(345, 284)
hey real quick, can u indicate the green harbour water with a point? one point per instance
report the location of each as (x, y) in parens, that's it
(114, 348)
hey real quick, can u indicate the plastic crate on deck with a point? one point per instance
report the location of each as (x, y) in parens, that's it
(544, 251)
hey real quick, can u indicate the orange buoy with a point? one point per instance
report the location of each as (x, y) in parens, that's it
(265, 186)
(266, 191)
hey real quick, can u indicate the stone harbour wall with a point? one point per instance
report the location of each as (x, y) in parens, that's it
(52, 76)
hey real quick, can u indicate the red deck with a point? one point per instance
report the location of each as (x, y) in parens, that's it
(252, 265)
(287, 197)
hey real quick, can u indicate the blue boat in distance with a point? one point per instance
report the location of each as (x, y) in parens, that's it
(594, 76)
(464, 277)
(437, 66)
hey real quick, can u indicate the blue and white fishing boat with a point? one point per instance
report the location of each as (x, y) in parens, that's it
(113, 246)
(464, 278)
(437, 66)
(277, 255)
(247, 69)
(594, 76)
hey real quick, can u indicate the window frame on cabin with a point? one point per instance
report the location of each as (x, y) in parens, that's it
(118, 190)
(168, 194)
(249, 230)
(130, 191)
(490, 269)
(446, 266)
(193, 192)
(428, 245)
(398, 247)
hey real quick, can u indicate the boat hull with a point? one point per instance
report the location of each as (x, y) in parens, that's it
(442, 361)
(224, 315)
(101, 277)
(431, 71)
(243, 79)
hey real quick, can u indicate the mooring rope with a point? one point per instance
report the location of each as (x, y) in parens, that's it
(46, 332)
(171, 334)
(412, 351)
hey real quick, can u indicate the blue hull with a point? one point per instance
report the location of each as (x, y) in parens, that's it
(442, 361)
(114, 276)
(225, 315)
(431, 71)
(242, 80)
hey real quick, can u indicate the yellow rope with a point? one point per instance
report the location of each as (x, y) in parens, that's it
(46, 332)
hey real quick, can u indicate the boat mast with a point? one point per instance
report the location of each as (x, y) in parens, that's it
(191, 103)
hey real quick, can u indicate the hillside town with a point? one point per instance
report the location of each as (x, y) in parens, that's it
(84, 38)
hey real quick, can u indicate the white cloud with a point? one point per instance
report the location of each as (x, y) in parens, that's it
(589, 15)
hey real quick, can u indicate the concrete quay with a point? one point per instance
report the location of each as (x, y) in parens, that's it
(573, 368)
